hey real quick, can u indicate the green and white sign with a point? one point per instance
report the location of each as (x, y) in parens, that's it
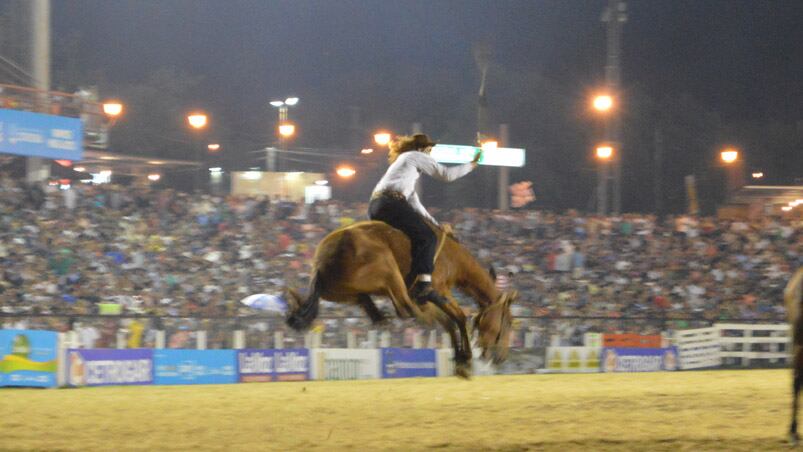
(452, 153)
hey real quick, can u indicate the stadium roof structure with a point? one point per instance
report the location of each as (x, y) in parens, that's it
(134, 165)
(772, 194)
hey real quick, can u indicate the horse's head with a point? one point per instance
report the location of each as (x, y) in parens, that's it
(493, 323)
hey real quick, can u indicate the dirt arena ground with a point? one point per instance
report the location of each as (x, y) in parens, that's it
(716, 410)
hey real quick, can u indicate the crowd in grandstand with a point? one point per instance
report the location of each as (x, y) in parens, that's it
(107, 249)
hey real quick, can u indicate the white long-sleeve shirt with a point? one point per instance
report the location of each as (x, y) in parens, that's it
(402, 175)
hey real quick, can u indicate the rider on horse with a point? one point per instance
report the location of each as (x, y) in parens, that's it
(395, 201)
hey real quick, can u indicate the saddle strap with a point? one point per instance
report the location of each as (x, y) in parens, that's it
(441, 241)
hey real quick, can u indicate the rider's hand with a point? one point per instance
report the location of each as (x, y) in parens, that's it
(477, 158)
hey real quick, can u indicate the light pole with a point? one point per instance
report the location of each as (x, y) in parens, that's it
(604, 153)
(197, 122)
(285, 128)
(733, 170)
(603, 104)
(615, 15)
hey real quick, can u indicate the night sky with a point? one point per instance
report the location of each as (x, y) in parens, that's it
(407, 61)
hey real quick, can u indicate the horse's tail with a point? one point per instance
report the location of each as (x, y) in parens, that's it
(304, 312)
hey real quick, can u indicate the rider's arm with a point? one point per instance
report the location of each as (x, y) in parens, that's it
(415, 203)
(427, 164)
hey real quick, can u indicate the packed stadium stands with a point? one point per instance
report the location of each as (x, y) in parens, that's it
(113, 251)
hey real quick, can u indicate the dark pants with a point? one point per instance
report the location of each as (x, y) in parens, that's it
(395, 211)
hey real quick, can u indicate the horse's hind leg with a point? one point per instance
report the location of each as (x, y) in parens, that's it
(370, 308)
(397, 291)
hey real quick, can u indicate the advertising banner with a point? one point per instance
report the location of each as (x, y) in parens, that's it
(28, 358)
(187, 367)
(572, 359)
(408, 362)
(106, 367)
(273, 365)
(639, 359)
(40, 135)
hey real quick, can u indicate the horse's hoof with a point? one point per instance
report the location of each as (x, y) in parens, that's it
(794, 439)
(463, 370)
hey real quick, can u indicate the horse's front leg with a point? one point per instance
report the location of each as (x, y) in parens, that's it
(462, 368)
(456, 314)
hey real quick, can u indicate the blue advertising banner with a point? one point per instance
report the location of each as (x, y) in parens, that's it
(639, 359)
(28, 358)
(40, 135)
(187, 367)
(105, 367)
(408, 362)
(273, 365)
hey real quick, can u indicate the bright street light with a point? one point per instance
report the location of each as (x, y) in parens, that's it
(602, 102)
(287, 129)
(197, 120)
(154, 177)
(366, 151)
(112, 109)
(758, 175)
(489, 145)
(604, 152)
(213, 147)
(729, 155)
(290, 101)
(345, 171)
(382, 138)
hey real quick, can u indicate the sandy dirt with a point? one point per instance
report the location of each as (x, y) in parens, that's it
(715, 410)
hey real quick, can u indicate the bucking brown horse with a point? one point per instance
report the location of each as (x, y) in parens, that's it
(370, 258)
(793, 301)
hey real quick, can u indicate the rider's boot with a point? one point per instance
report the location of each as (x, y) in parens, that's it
(422, 292)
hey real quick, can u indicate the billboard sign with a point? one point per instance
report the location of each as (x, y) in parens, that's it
(273, 365)
(28, 358)
(408, 362)
(187, 367)
(452, 153)
(39, 135)
(106, 367)
(639, 359)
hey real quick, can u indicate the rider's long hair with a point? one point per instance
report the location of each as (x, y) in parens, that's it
(406, 143)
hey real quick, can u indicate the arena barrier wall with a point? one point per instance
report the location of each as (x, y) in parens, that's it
(345, 364)
(109, 367)
(28, 358)
(261, 365)
(409, 362)
(573, 359)
(639, 359)
(187, 367)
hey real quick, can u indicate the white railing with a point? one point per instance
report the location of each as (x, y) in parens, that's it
(746, 346)
(698, 348)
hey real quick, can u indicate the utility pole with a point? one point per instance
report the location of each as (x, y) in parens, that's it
(658, 171)
(615, 16)
(503, 200)
(36, 168)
